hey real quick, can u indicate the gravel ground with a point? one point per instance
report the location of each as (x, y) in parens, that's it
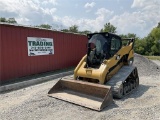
(157, 62)
(145, 66)
(33, 102)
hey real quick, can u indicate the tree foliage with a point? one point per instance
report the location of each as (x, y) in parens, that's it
(12, 20)
(74, 29)
(3, 19)
(108, 27)
(9, 20)
(85, 32)
(129, 35)
(158, 25)
(155, 33)
(46, 26)
(149, 45)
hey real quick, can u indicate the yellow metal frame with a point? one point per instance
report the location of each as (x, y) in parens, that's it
(103, 74)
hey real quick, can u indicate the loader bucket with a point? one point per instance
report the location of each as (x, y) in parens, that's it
(90, 95)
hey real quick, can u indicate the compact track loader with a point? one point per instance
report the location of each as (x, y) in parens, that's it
(106, 71)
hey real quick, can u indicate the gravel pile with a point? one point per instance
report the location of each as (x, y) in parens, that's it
(145, 66)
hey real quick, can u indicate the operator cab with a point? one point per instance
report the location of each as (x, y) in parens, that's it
(101, 46)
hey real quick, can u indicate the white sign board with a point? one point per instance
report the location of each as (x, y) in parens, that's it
(40, 46)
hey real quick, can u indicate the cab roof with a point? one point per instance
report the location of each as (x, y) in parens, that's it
(106, 34)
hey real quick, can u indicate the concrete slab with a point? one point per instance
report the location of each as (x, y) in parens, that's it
(33, 81)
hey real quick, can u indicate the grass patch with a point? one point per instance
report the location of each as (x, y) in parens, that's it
(153, 57)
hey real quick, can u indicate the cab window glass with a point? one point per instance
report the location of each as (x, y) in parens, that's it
(115, 44)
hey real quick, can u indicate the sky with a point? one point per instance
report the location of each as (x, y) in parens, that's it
(129, 16)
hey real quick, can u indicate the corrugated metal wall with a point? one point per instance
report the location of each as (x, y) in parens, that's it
(15, 62)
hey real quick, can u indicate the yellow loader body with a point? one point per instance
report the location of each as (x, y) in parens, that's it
(105, 72)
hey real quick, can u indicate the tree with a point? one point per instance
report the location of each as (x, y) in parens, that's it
(156, 37)
(9, 20)
(12, 20)
(73, 29)
(156, 33)
(149, 43)
(140, 46)
(109, 28)
(3, 19)
(158, 25)
(85, 32)
(129, 35)
(65, 30)
(46, 26)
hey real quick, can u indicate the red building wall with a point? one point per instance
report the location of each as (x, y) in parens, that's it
(14, 60)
